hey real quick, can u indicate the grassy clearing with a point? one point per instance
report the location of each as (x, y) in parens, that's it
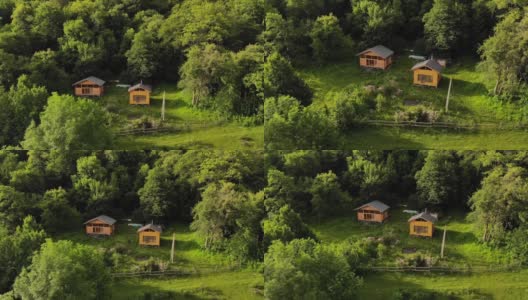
(462, 248)
(462, 245)
(211, 275)
(199, 128)
(385, 138)
(469, 103)
(496, 286)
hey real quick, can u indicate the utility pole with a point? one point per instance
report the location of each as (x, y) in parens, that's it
(172, 248)
(443, 242)
(448, 94)
(163, 108)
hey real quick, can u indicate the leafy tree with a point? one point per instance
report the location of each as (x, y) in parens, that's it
(16, 249)
(216, 216)
(64, 270)
(377, 22)
(437, 181)
(328, 40)
(68, 123)
(280, 79)
(446, 25)
(57, 213)
(146, 55)
(327, 196)
(303, 269)
(205, 70)
(14, 206)
(285, 225)
(499, 205)
(366, 176)
(504, 56)
(288, 125)
(92, 191)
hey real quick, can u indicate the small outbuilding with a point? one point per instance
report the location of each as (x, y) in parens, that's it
(150, 235)
(375, 211)
(427, 73)
(89, 87)
(379, 57)
(422, 224)
(101, 225)
(140, 94)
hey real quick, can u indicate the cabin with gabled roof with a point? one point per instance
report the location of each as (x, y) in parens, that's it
(101, 225)
(422, 224)
(378, 57)
(427, 73)
(150, 235)
(89, 87)
(140, 94)
(375, 211)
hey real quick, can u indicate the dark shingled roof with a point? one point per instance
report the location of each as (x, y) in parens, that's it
(150, 226)
(93, 79)
(430, 63)
(424, 216)
(376, 204)
(104, 218)
(140, 86)
(379, 50)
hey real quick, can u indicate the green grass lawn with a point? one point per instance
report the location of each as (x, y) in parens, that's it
(469, 103)
(385, 138)
(210, 275)
(462, 249)
(199, 128)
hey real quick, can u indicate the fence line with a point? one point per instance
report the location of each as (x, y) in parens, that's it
(442, 269)
(449, 125)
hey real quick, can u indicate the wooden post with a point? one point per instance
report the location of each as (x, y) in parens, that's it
(163, 108)
(172, 248)
(448, 94)
(443, 243)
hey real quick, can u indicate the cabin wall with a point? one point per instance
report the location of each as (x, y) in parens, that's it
(155, 234)
(379, 62)
(104, 229)
(434, 75)
(375, 216)
(95, 90)
(134, 94)
(413, 228)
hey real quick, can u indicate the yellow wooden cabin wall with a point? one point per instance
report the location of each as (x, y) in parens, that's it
(94, 91)
(105, 230)
(425, 71)
(379, 217)
(139, 93)
(155, 234)
(381, 63)
(429, 225)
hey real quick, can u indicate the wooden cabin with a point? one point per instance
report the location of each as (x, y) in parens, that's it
(89, 87)
(379, 57)
(102, 225)
(140, 94)
(374, 211)
(150, 235)
(427, 73)
(422, 224)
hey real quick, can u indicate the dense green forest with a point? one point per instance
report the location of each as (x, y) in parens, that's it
(239, 59)
(268, 212)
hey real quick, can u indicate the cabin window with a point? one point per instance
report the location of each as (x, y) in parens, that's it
(149, 239)
(421, 229)
(425, 78)
(371, 62)
(140, 99)
(97, 229)
(368, 216)
(86, 91)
